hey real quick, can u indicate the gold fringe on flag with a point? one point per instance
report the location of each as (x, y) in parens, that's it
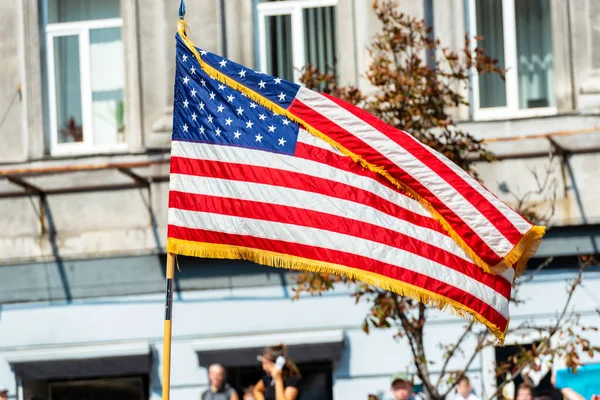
(517, 257)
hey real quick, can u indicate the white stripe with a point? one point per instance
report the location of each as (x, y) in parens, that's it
(239, 155)
(411, 165)
(312, 140)
(335, 241)
(311, 201)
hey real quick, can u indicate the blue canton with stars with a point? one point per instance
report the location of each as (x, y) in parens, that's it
(206, 110)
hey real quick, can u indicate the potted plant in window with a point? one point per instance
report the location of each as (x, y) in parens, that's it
(120, 115)
(72, 131)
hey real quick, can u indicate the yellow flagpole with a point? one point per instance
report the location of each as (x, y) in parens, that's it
(166, 378)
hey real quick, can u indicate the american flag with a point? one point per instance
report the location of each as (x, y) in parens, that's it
(266, 170)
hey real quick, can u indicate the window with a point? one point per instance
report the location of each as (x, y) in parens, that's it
(85, 75)
(312, 25)
(519, 34)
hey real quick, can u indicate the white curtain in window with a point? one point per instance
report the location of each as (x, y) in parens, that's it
(534, 53)
(107, 79)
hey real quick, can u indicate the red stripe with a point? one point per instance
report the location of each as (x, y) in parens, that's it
(333, 223)
(349, 141)
(347, 259)
(295, 180)
(418, 150)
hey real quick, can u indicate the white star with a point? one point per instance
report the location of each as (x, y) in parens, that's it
(193, 92)
(210, 118)
(186, 80)
(223, 63)
(281, 96)
(212, 96)
(201, 105)
(203, 52)
(221, 86)
(249, 124)
(230, 98)
(218, 132)
(258, 137)
(244, 94)
(262, 117)
(228, 121)
(220, 108)
(275, 113)
(271, 128)
(277, 81)
(203, 82)
(281, 141)
(186, 103)
(252, 105)
(185, 127)
(184, 58)
(193, 70)
(194, 116)
(236, 134)
(286, 121)
(202, 130)
(242, 73)
(240, 110)
(262, 84)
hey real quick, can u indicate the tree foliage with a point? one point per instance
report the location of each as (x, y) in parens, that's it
(416, 83)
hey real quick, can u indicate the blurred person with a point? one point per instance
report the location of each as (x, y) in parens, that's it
(219, 389)
(3, 394)
(277, 384)
(524, 392)
(464, 390)
(402, 387)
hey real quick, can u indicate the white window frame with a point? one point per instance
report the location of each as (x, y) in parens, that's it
(511, 110)
(293, 8)
(82, 30)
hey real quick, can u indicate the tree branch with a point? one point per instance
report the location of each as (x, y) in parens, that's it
(453, 350)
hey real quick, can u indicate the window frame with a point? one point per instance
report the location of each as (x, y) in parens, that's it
(81, 29)
(294, 9)
(511, 110)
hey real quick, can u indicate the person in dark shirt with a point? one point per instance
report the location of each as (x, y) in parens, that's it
(277, 384)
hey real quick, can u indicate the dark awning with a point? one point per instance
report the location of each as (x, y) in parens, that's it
(80, 361)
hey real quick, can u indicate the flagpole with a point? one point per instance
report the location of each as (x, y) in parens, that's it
(170, 273)
(166, 378)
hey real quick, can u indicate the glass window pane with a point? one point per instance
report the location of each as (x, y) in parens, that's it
(82, 10)
(492, 88)
(319, 38)
(108, 83)
(534, 54)
(68, 89)
(279, 46)
(595, 32)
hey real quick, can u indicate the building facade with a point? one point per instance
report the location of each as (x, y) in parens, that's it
(86, 113)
